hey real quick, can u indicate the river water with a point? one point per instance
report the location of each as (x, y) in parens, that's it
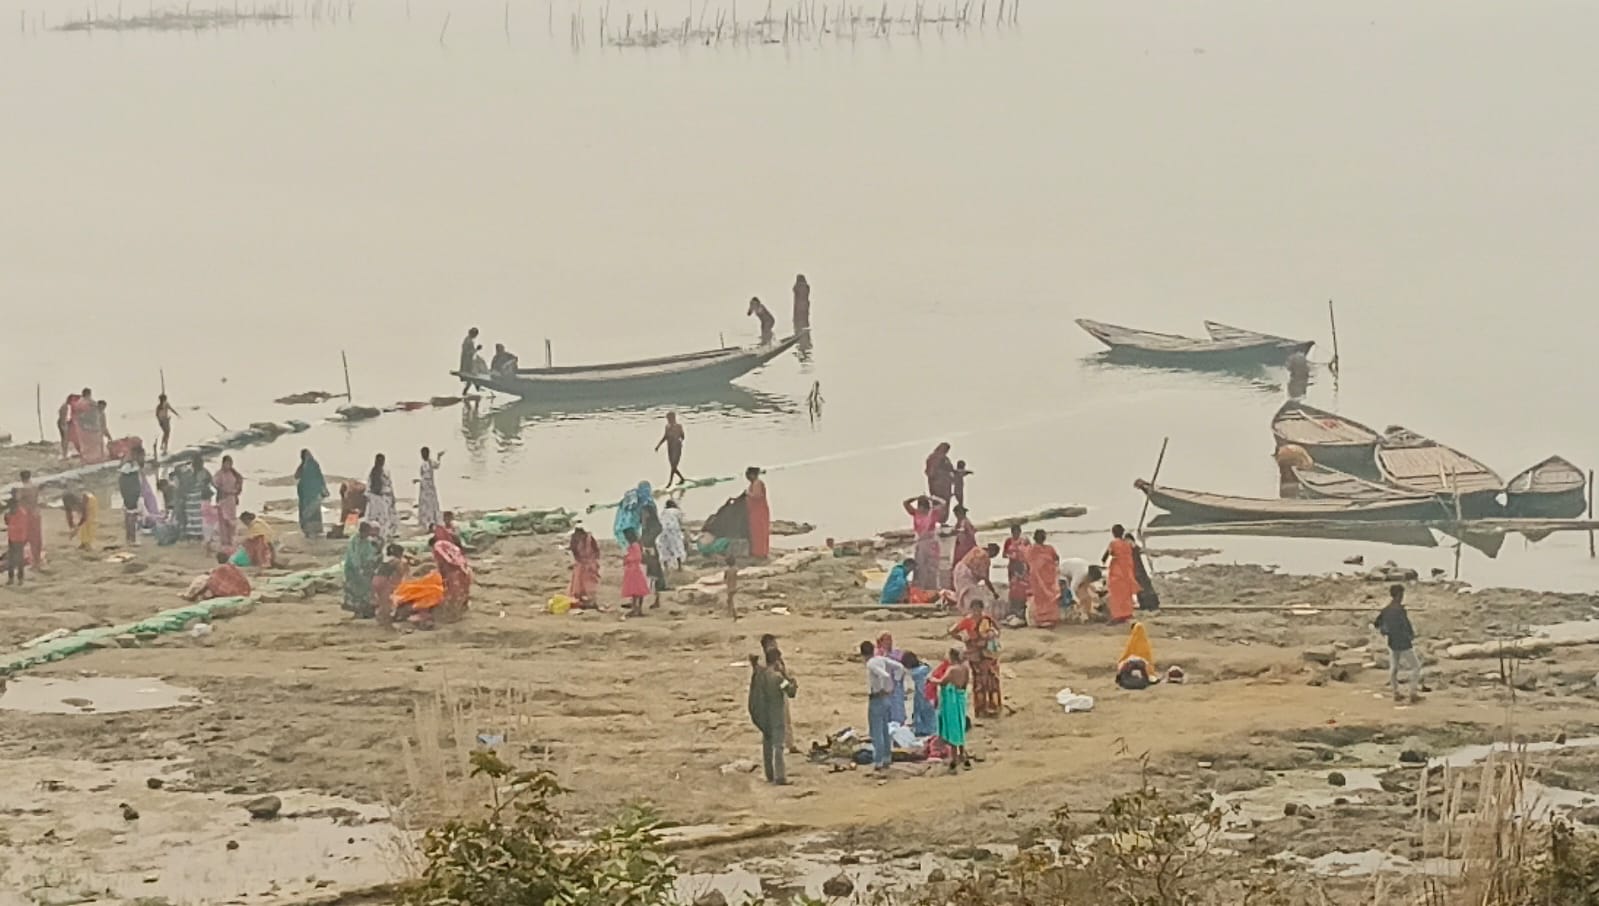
(238, 206)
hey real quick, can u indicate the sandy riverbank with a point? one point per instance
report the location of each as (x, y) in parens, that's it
(296, 696)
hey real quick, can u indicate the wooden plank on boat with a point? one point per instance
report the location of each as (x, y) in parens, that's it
(1220, 331)
(1414, 462)
(1309, 427)
(1326, 482)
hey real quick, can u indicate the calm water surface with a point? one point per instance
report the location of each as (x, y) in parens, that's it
(237, 207)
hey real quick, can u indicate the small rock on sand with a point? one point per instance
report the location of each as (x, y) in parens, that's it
(1239, 780)
(1336, 779)
(1412, 756)
(713, 898)
(155, 783)
(838, 886)
(265, 808)
(1323, 655)
(741, 766)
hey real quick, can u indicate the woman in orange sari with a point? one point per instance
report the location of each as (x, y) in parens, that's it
(759, 509)
(1043, 578)
(980, 634)
(1121, 579)
(585, 585)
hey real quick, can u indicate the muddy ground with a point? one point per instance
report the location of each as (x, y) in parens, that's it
(297, 696)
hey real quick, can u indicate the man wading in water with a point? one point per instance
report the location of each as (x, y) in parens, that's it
(673, 439)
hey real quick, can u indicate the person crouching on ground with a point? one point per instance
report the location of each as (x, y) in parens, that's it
(770, 690)
(1394, 623)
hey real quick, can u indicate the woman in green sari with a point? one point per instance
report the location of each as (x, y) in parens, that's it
(311, 488)
(361, 560)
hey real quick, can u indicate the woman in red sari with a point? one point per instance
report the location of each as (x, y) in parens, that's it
(759, 509)
(965, 536)
(1121, 578)
(981, 635)
(457, 576)
(585, 585)
(1043, 579)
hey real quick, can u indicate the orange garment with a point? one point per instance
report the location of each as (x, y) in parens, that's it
(922, 596)
(1138, 647)
(760, 517)
(978, 561)
(1043, 576)
(425, 593)
(1121, 580)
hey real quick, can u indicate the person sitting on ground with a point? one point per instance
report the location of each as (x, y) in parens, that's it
(257, 548)
(224, 581)
(1394, 623)
(897, 587)
(1136, 667)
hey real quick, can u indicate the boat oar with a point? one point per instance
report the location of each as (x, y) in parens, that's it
(1154, 477)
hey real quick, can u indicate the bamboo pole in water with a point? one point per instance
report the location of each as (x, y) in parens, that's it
(38, 407)
(1154, 477)
(346, 360)
(1590, 513)
(1333, 317)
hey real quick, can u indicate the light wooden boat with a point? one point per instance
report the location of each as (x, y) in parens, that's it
(1412, 462)
(641, 378)
(1174, 349)
(1331, 440)
(1321, 481)
(1220, 331)
(1200, 506)
(1556, 488)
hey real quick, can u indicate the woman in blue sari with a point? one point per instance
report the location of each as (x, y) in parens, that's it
(924, 716)
(630, 512)
(897, 587)
(311, 488)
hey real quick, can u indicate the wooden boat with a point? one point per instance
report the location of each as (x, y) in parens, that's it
(1199, 506)
(1555, 488)
(1171, 348)
(1321, 481)
(641, 378)
(1411, 462)
(1219, 331)
(1331, 439)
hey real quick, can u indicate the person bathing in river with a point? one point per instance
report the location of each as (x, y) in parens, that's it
(758, 310)
(673, 439)
(163, 419)
(925, 513)
(802, 302)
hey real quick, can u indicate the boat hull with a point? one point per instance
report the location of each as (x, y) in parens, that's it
(646, 379)
(1197, 506)
(1555, 488)
(1128, 344)
(1415, 464)
(1547, 505)
(1331, 440)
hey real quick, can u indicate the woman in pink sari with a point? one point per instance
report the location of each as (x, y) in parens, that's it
(925, 513)
(585, 585)
(229, 485)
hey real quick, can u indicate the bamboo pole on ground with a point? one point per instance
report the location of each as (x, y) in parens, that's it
(1154, 477)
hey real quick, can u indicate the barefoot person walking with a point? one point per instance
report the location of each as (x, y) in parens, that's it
(673, 439)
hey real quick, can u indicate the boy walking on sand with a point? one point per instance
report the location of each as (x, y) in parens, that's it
(1394, 623)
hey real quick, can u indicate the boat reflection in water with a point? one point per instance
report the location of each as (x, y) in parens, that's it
(1400, 534)
(507, 422)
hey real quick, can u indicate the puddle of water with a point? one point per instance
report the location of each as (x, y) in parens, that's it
(65, 823)
(1573, 632)
(1307, 788)
(1466, 756)
(1370, 862)
(94, 695)
(741, 881)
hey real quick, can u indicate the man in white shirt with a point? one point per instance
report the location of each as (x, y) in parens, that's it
(1079, 576)
(885, 678)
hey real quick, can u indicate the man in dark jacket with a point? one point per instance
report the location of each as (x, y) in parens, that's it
(1394, 623)
(769, 690)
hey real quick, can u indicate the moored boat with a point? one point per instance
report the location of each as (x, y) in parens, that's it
(1321, 481)
(1331, 440)
(1555, 488)
(641, 378)
(1201, 506)
(1418, 464)
(1190, 351)
(1220, 331)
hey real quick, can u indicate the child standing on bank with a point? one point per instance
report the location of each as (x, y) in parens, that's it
(1394, 623)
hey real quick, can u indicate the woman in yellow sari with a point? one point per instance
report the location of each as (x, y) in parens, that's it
(83, 516)
(258, 541)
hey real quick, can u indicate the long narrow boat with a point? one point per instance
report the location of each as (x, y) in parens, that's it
(1421, 465)
(1174, 349)
(1330, 439)
(1556, 488)
(1200, 506)
(1220, 331)
(1321, 481)
(641, 378)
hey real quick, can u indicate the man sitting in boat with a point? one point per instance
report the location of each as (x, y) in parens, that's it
(504, 361)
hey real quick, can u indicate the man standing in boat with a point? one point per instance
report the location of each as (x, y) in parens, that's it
(469, 350)
(758, 309)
